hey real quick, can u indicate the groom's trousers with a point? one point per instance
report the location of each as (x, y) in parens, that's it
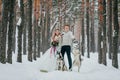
(67, 49)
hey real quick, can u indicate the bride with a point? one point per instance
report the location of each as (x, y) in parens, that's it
(48, 60)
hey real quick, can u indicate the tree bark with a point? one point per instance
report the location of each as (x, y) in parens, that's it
(10, 31)
(99, 44)
(35, 25)
(20, 31)
(83, 32)
(104, 34)
(87, 26)
(47, 25)
(25, 30)
(29, 18)
(3, 35)
(115, 36)
(110, 27)
(14, 28)
(24, 40)
(39, 32)
(43, 26)
(39, 41)
(92, 28)
(100, 34)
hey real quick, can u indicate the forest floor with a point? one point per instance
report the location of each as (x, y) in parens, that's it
(90, 70)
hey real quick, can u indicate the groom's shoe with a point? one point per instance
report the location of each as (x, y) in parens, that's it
(70, 69)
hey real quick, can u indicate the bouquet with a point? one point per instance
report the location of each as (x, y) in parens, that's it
(54, 43)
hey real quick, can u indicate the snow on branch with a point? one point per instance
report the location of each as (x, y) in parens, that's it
(69, 8)
(19, 21)
(19, 3)
(52, 27)
(67, 11)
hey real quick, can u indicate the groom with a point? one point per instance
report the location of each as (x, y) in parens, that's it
(67, 38)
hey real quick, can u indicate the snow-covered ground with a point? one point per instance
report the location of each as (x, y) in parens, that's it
(90, 70)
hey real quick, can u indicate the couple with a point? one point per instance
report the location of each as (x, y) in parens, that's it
(60, 43)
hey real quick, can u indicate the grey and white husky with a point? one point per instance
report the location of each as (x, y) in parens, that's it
(61, 63)
(77, 56)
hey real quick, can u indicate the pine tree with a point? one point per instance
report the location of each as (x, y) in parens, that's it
(116, 32)
(47, 25)
(87, 26)
(10, 30)
(109, 2)
(92, 36)
(100, 34)
(29, 24)
(43, 25)
(39, 32)
(20, 31)
(0, 14)
(35, 36)
(39, 41)
(3, 33)
(25, 29)
(104, 33)
(83, 34)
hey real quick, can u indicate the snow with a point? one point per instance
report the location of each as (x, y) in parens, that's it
(101, 44)
(19, 21)
(19, 3)
(69, 8)
(90, 70)
(54, 24)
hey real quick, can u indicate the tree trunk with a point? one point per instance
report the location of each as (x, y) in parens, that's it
(35, 25)
(83, 33)
(10, 31)
(100, 34)
(25, 30)
(87, 26)
(47, 26)
(43, 37)
(14, 28)
(110, 27)
(43, 27)
(20, 30)
(0, 14)
(115, 36)
(39, 32)
(4, 31)
(29, 18)
(104, 33)
(92, 28)
(99, 44)
(83, 38)
(24, 40)
(19, 55)
(39, 41)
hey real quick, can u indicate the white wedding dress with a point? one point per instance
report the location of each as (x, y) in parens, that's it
(48, 60)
